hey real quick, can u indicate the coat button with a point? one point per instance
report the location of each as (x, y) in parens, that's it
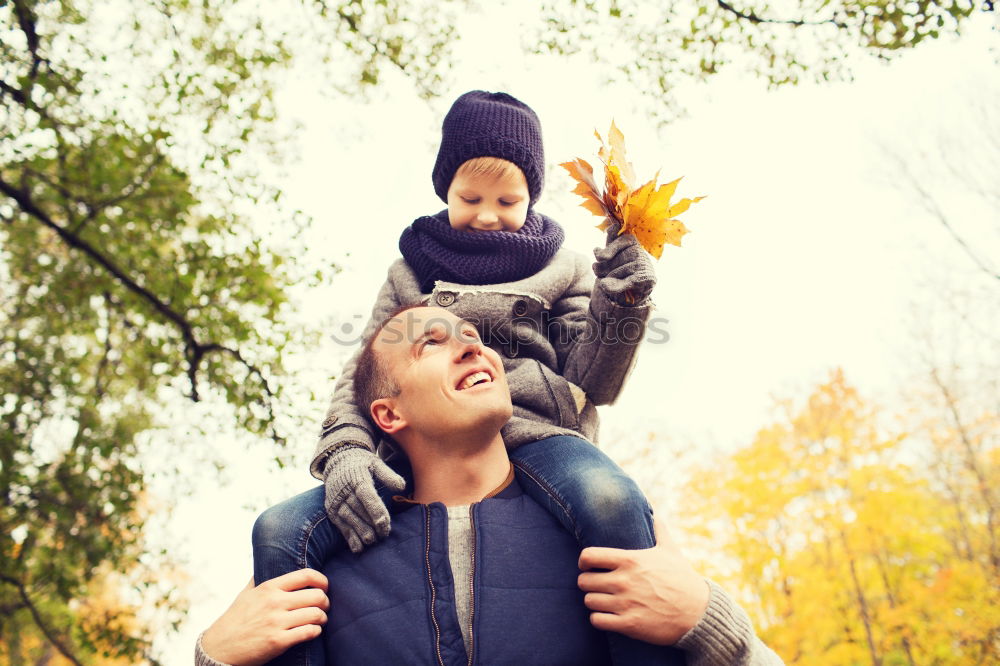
(520, 308)
(445, 298)
(330, 420)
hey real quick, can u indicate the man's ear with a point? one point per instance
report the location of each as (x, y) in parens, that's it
(386, 417)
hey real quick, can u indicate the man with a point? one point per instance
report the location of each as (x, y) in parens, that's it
(474, 570)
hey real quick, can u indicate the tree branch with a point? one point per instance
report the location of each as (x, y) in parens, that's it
(61, 190)
(37, 616)
(93, 209)
(191, 345)
(99, 383)
(755, 19)
(135, 184)
(194, 351)
(930, 205)
(16, 93)
(28, 206)
(26, 21)
(973, 465)
(254, 370)
(352, 23)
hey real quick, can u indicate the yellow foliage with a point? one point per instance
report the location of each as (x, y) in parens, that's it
(646, 211)
(842, 546)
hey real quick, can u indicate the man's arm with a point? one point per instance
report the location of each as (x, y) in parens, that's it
(655, 595)
(264, 621)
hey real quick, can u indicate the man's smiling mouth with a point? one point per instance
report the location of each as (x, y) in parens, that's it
(473, 379)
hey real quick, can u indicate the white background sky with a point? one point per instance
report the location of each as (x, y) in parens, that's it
(805, 256)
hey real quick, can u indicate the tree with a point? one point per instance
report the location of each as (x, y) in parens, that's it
(944, 173)
(142, 259)
(954, 386)
(843, 546)
(658, 46)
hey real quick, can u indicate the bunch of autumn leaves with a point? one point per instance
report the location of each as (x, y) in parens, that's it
(645, 212)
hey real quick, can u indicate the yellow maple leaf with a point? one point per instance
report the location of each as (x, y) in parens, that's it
(647, 212)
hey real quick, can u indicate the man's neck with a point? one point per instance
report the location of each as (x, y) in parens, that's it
(460, 475)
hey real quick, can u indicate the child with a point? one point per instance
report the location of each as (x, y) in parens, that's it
(567, 344)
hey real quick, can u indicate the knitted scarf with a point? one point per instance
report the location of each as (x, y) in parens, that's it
(435, 251)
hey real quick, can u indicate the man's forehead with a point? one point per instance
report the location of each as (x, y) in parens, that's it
(408, 327)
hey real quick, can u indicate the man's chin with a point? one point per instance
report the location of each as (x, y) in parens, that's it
(486, 423)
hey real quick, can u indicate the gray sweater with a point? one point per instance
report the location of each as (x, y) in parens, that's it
(565, 345)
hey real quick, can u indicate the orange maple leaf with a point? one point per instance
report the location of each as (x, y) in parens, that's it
(647, 212)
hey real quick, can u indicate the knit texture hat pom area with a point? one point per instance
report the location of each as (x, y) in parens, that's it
(485, 124)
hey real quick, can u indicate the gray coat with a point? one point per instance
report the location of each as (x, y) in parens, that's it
(565, 347)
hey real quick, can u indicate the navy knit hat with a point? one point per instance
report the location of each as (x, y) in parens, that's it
(484, 124)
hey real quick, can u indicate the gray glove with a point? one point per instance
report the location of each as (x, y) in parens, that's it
(351, 502)
(624, 269)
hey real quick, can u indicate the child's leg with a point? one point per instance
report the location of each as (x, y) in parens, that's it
(297, 534)
(601, 506)
(293, 535)
(289, 536)
(590, 495)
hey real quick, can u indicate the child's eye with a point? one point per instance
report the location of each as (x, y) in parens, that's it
(507, 203)
(470, 201)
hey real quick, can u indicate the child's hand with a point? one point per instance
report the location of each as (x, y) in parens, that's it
(351, 501)
(624, 270)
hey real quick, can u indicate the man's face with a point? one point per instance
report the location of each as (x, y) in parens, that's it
(450, 384)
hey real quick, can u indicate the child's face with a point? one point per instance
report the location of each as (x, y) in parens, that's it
(483, 203)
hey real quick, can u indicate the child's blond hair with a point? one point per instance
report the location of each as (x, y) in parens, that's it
(489, 167)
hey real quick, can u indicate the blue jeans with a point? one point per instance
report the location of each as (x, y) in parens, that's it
(600, 505)
(584, 489)
(294, 535)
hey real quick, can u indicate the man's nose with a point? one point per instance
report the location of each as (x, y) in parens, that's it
(468, 347)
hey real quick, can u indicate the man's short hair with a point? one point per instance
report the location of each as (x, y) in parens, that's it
(372, 380)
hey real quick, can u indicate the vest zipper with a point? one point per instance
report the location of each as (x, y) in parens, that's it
(472, 583)
(430, 581)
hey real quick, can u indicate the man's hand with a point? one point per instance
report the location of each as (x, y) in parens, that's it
(351, 501)
(653, 595)
(266, 620)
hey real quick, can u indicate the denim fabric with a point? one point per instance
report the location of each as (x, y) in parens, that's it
(600, 505)
(290, 536)
(294, 535)
(586, 491)
(568, 476)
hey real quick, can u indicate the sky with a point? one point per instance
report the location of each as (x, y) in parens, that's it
(808, 254)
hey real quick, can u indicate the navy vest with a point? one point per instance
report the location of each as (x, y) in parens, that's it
(394, 603)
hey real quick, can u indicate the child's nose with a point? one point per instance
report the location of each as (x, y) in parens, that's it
(487, 216)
